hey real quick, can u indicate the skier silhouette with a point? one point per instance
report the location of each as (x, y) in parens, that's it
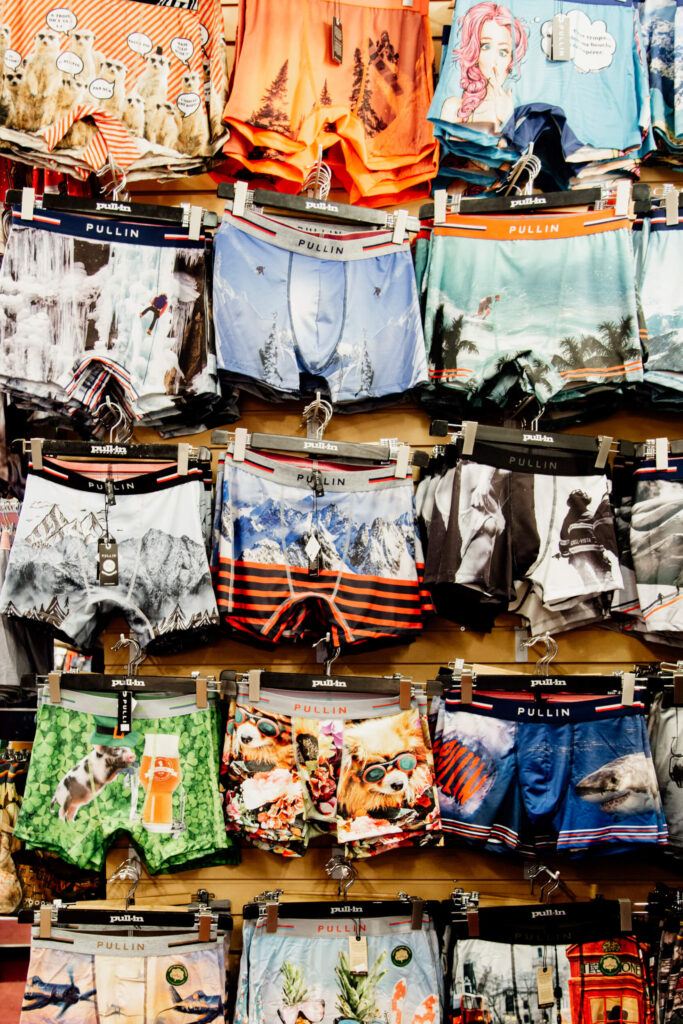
(156, 307)
(485, 306)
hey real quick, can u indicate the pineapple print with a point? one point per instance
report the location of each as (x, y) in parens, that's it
(293, 986)
(357, 998)
(298, 1007)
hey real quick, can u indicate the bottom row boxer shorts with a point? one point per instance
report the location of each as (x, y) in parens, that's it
(302, 972)
(665, 727)
(576, 774)
(84, 978)
(295, 765)
(364, 582)
(88, 783)
(656, 548)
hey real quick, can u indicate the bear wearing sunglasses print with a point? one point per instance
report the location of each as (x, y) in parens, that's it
(262, 741)
(384, 768)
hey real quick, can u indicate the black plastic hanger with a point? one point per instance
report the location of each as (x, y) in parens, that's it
(147, 213)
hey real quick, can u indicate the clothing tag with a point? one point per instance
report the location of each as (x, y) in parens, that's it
(318, 484)
(337, 40)
(561, 44)
(124, 713)
(661, 453)
(671, 206)
(109, 496)
(544, 982)
(312, 548)
(358, 955)
(108, 570)
(313, 566)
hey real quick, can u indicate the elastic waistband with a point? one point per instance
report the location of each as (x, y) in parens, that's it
(550, 710)
(657, 222)
(410, 7)
(343, 928)
(100, 229)
(351, 707)
(111, 944)
(532, 228)
(331, 478)
(545, 461)
(359, 246)
(61, 472)
(145, 708)
(646, 468)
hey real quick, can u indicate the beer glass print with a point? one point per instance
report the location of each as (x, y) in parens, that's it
(160, 777)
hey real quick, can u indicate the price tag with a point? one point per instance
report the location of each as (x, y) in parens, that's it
(544, 983)
(561, 43)
(125, 711)
(358, 955)
(337, 40)
(108, 563)
(312, 549)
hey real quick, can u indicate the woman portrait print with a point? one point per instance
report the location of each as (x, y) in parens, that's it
(492, 42)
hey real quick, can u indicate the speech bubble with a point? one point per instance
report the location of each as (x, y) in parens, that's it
(70, 63)
(12, 59)
(183, 48)
(101, 89)
(203, 34)
(61, 19)
(139, 42)
(592, 46)
(187, 103)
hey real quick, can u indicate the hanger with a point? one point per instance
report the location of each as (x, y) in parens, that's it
(556, 923)
(244, 198)
(445, 203)
(200, 922)
(38, 448)
(185, 216)
(466, 433)
(657, 198)
(322, 683)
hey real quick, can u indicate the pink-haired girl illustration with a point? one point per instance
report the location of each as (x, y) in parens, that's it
(486, 54)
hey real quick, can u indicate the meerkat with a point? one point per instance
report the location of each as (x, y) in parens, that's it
(193, 137)
(6, 102)
(12, 82)
(28, 108)
(82, 131)
(115, 71)
(5, 39)
(42, 76)
(82, 40)
(152, 85)
(71, 94)
(162, 125)
(134, 115)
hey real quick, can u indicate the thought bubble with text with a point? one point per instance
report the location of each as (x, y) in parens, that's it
(187, 103)
(139, 43)
(183, 48)
(12, 59)
(70, 63)
(203, 34)
(61, 19)
(101, 89)
(592, 46)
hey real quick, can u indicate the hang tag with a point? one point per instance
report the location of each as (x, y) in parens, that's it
(312, 548)
(561, 42)
(544, 984)
(358, 955)
(628, 688)
(108, 569)
(661, 453)
(671, 206)
(109, 496)
(124, 713)
(318, 486)
(337, 40)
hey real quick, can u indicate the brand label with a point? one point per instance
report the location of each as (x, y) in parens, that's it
(126, 919)
(401, 956)
(331, 207)
(108, 449)
(538, 437)
(128, 683)
(176, 974)
(552, 912)
(547, 682)
(529, 201)
(339, 684)
(114, 207)
(323, 446)
(346, 909)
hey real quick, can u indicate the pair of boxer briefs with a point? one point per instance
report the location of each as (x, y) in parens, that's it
(307, 548)
(368, 111)
(300, 764)
(297, 311)
(571, 774)
(114, 975)
(88, 782)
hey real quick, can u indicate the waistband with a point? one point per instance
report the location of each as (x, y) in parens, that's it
(343, 478)
(351, 707)
(61, 472)
(522, 707)
(359, 246)
(647, 469)
(407, 6)
(100, 229)
(545, 461)
(111, 944)
(657, 222)
(532, 228)
(144, 707)
(343, 928)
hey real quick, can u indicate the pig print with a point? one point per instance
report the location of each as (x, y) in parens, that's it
(84, 782)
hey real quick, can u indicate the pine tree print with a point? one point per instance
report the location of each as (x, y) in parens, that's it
(358, 69)
(268, 115)
(371, 120)
(268, 355)
(357, 995)
(325, 98)
(367, 374)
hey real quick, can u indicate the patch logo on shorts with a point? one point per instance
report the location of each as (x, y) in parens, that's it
(609, 964)
(401, 956)
(176, 974)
